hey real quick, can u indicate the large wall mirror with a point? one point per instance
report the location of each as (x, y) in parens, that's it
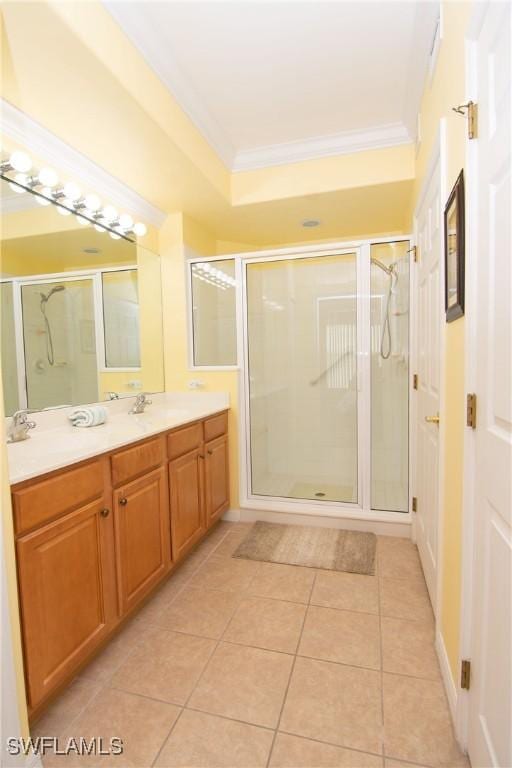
(81, 312)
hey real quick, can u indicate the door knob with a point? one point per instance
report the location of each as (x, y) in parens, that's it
(124, 502)
(105, 512)
(432, 419)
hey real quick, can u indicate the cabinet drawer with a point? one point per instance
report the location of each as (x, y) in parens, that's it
(60, 493)
(215, 426)
(137, 460)
(184, 440)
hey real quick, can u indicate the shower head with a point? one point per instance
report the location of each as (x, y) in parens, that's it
(391, 270)
(45, 297)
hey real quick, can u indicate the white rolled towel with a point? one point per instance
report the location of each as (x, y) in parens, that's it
(89, 416)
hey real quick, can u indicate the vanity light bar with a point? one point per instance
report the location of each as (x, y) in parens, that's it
(18, 171)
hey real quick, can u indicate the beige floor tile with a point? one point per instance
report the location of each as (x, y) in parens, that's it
(202, 612)
(166, 666)
(417, 723)
(199, 740)
(334, 703)
(400, 764)
(227, 575)
(295, 752)
(283, 582)
(348, 591)
(230, 543)
(408, 648)
(271, 624)
(244, 683)
(134, 630)
(142, 724)
(192, 563)
(163, 597)
(404, 599)
(65, 708)
(398, 558)
(105, 664)
(343, 636)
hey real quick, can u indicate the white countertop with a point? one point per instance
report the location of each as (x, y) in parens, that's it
(55, 443)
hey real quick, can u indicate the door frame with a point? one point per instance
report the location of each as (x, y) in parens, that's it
(470, 376)
(438, 158)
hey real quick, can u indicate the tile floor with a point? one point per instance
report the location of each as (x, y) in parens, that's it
(240, 664)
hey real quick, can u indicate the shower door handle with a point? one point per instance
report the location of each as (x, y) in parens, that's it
(432, 419)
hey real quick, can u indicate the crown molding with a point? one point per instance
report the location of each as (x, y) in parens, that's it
(22, 129)
(342, 143)
(138, 28)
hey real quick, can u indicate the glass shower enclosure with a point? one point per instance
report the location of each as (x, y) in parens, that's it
(326, 359)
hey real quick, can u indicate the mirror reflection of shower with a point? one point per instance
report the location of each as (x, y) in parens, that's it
(45, 297)
(385, 338)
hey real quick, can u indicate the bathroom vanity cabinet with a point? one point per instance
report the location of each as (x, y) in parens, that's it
(94, 539)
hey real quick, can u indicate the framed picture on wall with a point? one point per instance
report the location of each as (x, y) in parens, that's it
(454, 251)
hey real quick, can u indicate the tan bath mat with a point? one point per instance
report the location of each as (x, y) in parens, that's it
(328, 548)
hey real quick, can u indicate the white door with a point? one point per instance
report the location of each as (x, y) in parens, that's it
(490, 715)
(428, 223)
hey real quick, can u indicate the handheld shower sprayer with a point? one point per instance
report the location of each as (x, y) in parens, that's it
(45, 297)
(385, 339)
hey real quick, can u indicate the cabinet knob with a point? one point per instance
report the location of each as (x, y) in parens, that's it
(210, 452)
(201, 456)
(123, 501)
(105, 512)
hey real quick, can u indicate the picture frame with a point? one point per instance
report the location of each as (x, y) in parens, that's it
(454, 251)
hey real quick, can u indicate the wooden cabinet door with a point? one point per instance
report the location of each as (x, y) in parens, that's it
(187, 505)
(216, 478)
(143, 553)
(67, 593)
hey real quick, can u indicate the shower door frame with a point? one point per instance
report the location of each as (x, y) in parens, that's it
(95, 276)
(361, 510)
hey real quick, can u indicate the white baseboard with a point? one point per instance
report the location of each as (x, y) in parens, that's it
(232, 516)
(381, 528)
(446, 674)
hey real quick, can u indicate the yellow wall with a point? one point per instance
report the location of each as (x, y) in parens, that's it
(178, 233)
(447, 89)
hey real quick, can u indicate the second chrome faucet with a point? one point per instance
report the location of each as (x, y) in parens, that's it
(140, 403)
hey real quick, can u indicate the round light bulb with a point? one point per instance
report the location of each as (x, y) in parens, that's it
(114, 236)
(109, 213)
(48, 177)
(125, 221)
(20, 178)
(71, 191)
(63, 211)
(140, 229)
(82, 221)
(44, 200)
(20, 161)
(98, 228)
(92, 202)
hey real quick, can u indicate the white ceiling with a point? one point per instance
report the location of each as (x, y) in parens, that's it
(268, 82)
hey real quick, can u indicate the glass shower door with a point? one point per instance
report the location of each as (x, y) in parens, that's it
(60, 343)
(302, 345)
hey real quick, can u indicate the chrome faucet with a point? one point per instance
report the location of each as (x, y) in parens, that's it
(112, 395)
(140, 403)
(20, 426)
